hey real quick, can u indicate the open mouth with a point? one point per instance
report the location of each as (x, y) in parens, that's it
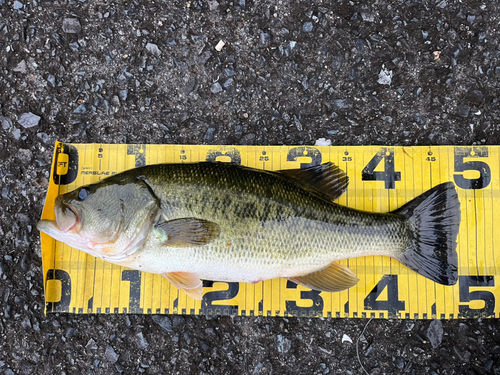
(67, 216)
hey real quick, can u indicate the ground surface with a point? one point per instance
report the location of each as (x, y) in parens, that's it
(374, 72)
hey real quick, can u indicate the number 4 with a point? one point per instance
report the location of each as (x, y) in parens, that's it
(389, 175)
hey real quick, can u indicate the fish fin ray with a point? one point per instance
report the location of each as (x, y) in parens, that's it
(186, 232)
(434, 218)
(326, 180)
(334, 278)
(188, 282)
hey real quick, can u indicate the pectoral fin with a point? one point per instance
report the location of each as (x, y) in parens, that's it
(334, 278)
(188, 232)
(189, 283)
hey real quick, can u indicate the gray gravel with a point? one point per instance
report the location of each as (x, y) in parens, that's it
(387, 72)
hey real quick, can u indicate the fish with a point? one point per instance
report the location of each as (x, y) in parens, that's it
(224, 222)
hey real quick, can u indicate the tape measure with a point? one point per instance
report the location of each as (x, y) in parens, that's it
(381, 180)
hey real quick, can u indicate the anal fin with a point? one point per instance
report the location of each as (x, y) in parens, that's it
(334, 278)
(189, 283)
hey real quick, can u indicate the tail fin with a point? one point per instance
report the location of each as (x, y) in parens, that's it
(435, 219)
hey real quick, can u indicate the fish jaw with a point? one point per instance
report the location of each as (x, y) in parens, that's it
(69, 237)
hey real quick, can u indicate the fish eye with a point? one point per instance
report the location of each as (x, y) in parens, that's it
(83, 193)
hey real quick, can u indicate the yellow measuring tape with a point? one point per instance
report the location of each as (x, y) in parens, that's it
(381, 180)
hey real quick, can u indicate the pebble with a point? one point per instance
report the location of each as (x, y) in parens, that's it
(71, 26)
(385, 76)
(307, 27)
(28, 120)
(141, 340)
(6, 122)
(435, 333)
(18, 5)
(343, 103)
(25, 155)
(164, 322)
(228, 82)
(283, 344)
(21, 67)
(111, 355)
(91, 345)
(216, 88)
(209, 135)
(153, 49)
(81, 109)
(52, 80)
(44, 137)
(463, 110)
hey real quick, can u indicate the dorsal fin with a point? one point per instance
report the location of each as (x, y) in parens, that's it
(326, 180)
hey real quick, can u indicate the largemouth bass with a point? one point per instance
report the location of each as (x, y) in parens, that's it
(224, 222)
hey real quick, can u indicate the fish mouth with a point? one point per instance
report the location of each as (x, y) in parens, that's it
(67, 216)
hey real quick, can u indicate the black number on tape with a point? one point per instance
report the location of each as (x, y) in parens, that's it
(65, 279)
(317, 302)
(71, 168)
(467, 282)
(305, 152)
(230, 152)
(140, 154)
(134, 277)
(389, 175)
(220, 295)
(484, 178)
(392, 305)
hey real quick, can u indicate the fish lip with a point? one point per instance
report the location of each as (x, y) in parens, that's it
(68, 216)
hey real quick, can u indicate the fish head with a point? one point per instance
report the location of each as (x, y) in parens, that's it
(110, 219)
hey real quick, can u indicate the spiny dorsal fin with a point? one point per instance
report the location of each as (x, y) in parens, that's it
(188, 232)
(189, 283)
(334, 278)
(326, 179)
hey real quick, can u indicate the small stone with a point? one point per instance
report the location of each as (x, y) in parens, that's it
(367, 15)
(6, 122)
(337, 62)
(323, 142)
(231, 72)
(45, 138)
(119, 368)
(283, 344)
(307, 27)
(16, 133)
(346, 338)
(3, 268)
(463, 110)
(52, 80)
(111, 355)
(216, 88)
(91, 345)
(141, 340)
(385, 76)
(435, 333)
(18, 5)
(21, 67)
(81, 109)
(28, 120)
(25, 155)
(228, 83)
(220, 45)
(153, 49)
(71, 26)
(343, 103)
(248, 139)
(164, 322)
(209, 135)
(123, 94)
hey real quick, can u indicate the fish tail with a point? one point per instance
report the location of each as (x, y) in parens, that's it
(435, 219)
